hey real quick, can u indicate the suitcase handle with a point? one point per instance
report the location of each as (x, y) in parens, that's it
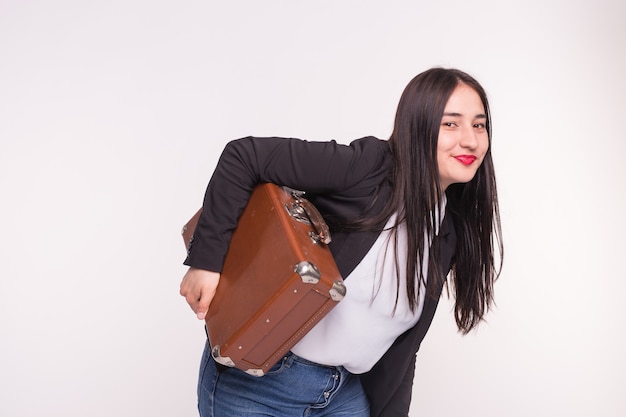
(320, 226)
(304, 211)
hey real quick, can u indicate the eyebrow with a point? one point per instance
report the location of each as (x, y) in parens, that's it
(478, 116)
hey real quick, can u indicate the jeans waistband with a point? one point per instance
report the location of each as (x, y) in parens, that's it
(290, 356)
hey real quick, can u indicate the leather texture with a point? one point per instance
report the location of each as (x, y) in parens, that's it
(269, 293)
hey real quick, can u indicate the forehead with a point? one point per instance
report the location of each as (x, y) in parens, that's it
(464, 100)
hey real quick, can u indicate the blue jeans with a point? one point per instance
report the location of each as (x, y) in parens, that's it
(294, 387)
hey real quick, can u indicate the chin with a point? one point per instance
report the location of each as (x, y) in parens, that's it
(464, 180)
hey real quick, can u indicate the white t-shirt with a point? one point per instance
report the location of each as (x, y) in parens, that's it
(360, 329)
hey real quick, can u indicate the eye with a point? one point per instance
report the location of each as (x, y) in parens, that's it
(449, 124)
(479, 126)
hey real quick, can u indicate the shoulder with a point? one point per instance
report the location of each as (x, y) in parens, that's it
(314, 166)
(372, 151)
(371, 143)
(367, 144)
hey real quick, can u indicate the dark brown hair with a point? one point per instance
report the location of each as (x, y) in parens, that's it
(416, 192)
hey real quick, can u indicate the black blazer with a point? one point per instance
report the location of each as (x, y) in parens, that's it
(343, 182)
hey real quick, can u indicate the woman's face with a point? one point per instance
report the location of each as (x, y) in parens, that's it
(463, 140)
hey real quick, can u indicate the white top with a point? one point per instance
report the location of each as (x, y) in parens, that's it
(360, 329)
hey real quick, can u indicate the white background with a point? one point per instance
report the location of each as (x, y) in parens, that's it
(112, 116)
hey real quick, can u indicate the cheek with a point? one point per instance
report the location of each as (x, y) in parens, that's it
(445, 142)
(442, 156)
(485, 145)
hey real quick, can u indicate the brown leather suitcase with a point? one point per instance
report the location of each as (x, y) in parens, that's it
(279, 279)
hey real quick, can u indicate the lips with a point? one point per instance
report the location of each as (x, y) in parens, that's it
(465, 159)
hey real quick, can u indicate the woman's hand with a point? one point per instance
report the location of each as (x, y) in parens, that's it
(198, 287)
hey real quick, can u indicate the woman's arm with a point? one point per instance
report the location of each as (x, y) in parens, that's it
(314, 167)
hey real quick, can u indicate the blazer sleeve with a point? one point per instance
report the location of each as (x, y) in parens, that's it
(313, 167)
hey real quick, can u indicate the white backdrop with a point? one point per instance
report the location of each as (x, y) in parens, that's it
(112, 116)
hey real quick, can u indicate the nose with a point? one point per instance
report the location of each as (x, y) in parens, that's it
(469, 138)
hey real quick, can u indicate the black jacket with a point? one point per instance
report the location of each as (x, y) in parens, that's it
(343, 182)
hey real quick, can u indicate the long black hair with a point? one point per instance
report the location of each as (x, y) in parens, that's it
(417, 193)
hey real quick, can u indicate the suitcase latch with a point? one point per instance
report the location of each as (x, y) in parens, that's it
(296, 211)
(303, 211)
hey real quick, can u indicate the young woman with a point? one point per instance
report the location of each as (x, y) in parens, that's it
(404, 213)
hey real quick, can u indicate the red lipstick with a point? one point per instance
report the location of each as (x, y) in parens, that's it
(465, 159)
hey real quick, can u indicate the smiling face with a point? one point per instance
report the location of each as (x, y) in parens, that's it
(463, 140)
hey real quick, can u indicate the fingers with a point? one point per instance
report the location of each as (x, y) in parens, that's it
(202, 306)
(198, 287)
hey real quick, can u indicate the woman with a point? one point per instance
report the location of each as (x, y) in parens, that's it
(403, 212)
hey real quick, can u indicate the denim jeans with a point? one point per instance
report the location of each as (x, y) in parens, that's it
(294, 387)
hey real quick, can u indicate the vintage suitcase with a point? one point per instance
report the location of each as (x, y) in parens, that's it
(279, 279)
